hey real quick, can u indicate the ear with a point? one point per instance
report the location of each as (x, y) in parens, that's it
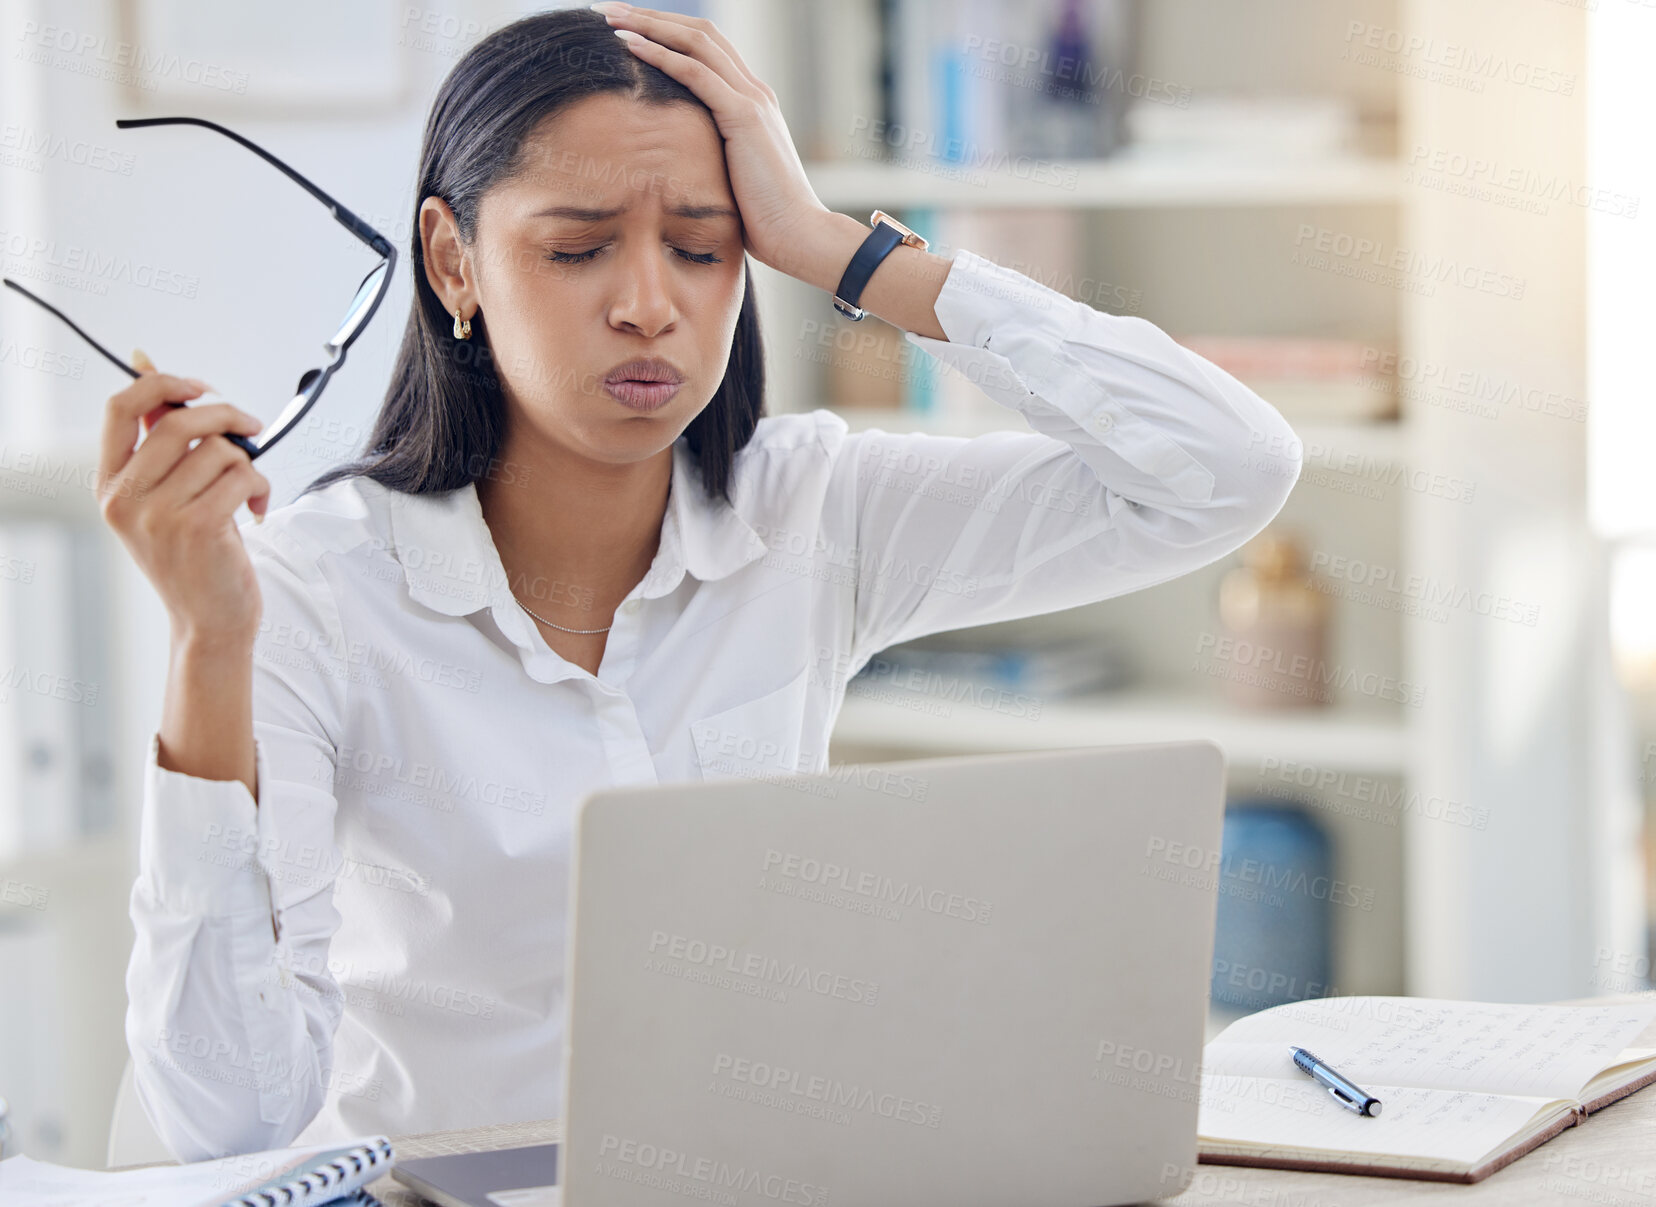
(448, 266)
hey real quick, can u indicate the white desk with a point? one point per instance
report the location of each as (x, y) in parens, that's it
(1608, 1161)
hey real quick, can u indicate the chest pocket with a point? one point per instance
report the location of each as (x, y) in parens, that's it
(756, 737)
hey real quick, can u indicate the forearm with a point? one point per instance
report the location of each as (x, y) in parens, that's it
(904, 285)
(207, 716)
(229, 1051)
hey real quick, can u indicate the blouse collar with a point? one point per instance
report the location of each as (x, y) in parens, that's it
(451, 564)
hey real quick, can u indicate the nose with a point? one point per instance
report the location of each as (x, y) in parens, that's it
(643, 302)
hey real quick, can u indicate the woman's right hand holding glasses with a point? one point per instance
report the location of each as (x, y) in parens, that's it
(172, 502)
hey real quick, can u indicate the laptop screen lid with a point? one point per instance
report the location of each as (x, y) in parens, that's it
(972, 980)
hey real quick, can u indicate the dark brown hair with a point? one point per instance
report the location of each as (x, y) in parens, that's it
(443, 418)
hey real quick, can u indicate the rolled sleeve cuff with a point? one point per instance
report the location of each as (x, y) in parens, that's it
(1033, 330)
(198, 841)
(978, 301)
(978, 295)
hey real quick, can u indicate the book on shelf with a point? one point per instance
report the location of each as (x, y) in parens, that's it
(1052, 666)
(1465, 1087)
(1245, 128)
(972, 88)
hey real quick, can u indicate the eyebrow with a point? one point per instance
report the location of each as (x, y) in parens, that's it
(581, 214)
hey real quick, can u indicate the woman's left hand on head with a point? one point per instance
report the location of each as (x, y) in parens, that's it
(772, 192)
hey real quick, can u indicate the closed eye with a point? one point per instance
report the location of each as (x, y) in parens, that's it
(581, 257)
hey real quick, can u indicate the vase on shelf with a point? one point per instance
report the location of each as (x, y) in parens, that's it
(1274, 619)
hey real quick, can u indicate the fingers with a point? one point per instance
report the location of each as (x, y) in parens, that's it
(238, 484)
(632, 17)
(167, 442)
(194, 473)
(150, 392)
(701, 61)
(142, 362)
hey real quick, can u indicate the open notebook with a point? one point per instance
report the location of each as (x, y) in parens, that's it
(1467, 1087)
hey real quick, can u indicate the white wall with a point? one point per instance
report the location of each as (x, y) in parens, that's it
(1508, 913)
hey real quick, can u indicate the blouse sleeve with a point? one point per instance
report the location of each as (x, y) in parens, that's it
(1144, 462)
(231, 1009)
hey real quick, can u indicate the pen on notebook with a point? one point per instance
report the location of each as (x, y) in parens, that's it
(1345, 1092)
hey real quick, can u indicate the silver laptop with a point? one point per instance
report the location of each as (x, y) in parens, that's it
(976, 981)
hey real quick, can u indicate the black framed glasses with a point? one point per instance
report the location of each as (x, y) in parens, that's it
(367, 300)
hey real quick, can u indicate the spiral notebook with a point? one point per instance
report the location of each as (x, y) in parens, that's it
(287, 1177)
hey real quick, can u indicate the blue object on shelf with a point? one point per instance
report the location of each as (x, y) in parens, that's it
(1273, 943)
(919, 383)
(952, 83)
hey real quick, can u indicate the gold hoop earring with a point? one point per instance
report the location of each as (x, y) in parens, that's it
(462, 327)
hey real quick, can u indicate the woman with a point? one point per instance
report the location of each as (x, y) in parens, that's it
(549, 575)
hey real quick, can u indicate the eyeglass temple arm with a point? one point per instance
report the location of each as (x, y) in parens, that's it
(343, 216)
(242, 442)
(113, 359)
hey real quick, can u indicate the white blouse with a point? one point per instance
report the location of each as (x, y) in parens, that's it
(378, 945)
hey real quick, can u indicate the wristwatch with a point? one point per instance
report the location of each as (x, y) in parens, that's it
(887, 234)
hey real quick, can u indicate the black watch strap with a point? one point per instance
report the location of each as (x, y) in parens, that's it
(874, 249)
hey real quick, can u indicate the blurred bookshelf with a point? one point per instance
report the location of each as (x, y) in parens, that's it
(1370, 740)
(1200, 242)
(855, 187)
(1378, 442)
